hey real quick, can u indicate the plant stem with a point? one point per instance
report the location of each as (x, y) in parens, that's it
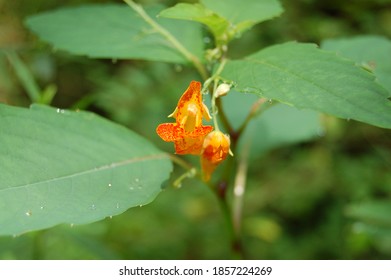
(214, 107)
(239, 189)
(216, 103)
(169, 37)
(220, 189)
(253, 112)
(235, 241)
(223, 118)
(181, 162)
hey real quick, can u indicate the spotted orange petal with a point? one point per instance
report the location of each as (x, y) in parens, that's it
(170, 132)
(200, 131)
(192, 143)
(187, 145)
(190, 109)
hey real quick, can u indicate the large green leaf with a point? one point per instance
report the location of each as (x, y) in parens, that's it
(305, 77)
(59, 166)
(371, 52)
(114, 31)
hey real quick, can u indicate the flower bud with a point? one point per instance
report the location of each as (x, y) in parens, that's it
(214, 150)
(222, 90)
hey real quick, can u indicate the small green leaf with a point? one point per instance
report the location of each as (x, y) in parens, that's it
(114, 31)
(59, 166)
(303, 76)
(226, 19)
(370, 52)
(244, 14)
(197, 12)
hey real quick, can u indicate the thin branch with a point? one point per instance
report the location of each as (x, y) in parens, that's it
(169, 37)
(253, 112)
(216, 103)
(25, 77)
(191, 171)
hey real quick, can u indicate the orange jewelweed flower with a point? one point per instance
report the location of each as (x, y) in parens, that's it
(214, 150)
(187, 132)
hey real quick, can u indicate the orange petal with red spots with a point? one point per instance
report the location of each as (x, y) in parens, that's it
(170, 132)
(200, 131)
(192, 143)
(188, 145)
(190, 109)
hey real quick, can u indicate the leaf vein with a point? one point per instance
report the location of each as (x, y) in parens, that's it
(95, 169)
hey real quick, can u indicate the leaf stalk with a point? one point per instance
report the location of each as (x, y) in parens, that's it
(169, 37)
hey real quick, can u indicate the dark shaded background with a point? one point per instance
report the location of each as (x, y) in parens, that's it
(298, 199)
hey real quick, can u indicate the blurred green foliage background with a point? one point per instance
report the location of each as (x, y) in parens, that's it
(326, 199)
